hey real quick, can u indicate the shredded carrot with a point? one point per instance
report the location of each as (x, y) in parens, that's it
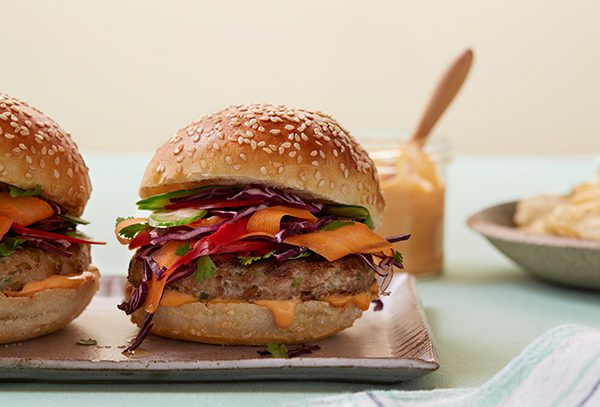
(24, 210)
(213, 220)
(335, 244)
(258, 234)
(166, 256)
(5, 224)
(269, 219)
(155, 292)
(123, 224)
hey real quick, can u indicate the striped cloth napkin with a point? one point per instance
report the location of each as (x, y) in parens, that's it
(561, 368)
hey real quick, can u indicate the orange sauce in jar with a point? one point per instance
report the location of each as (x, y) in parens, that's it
(414, 192)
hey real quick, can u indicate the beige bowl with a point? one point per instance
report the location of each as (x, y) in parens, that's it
(561, 260)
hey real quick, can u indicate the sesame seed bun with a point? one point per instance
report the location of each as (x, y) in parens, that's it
(48, 311)
(34, 150)
(243, 323)
(291, 149)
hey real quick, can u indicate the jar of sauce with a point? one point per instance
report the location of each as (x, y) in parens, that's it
(414, 190)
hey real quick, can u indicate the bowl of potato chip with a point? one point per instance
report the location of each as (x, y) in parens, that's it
(553, 237)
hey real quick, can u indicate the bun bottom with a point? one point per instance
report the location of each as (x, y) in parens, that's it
(242, 323)
(45, 312)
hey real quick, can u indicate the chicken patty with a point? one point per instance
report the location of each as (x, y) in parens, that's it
(30, 264)
(307, 278)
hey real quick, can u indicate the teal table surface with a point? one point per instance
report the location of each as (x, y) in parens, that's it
(482, 311)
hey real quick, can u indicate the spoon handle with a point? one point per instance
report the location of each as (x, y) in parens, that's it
(445, 91)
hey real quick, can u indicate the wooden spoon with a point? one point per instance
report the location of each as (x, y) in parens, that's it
(445, 91)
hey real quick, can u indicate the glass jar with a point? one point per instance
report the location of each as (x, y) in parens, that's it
(414, 186)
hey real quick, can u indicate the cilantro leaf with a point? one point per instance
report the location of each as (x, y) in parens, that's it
(278, 350)
(10, 245)
(17, 192)
(205, 269)
(248, 260)
(398, 256)
(183, 249)
(130, 231)
(121, 219)
(297, 282)
(336, 224)
(300, 255)
(204, 296)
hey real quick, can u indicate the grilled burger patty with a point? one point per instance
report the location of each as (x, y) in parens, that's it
(30, 264)
(307, 278)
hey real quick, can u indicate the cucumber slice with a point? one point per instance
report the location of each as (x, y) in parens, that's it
(166, 219)
(156, 202)
(350, 212)
(74, 219)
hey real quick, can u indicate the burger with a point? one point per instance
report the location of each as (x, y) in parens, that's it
(261, 230)
(46, 279)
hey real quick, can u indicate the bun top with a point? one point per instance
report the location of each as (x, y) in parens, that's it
(306, 152)
(34, 150)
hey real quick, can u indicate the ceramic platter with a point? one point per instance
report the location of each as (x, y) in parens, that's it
(382, 347)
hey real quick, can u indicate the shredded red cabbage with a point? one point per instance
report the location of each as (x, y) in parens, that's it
(142, 334)
(398, 238)
(378, 305)
(268, 194)
(59, 247)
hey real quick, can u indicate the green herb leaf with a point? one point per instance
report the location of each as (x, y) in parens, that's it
(130, 231)
(248, 260)
(205, 269)
(17, 192)
(297, 282)
(74, 219)
(121, 219)
(336, 224)
(278, 350)
(87, 342)
(183, 249)
(204, 296)
(9, 245)
(300, 255)
(398, 256)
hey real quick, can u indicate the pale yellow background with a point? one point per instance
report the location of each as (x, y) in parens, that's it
(124, 75)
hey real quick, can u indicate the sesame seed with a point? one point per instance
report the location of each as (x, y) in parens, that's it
(274, 131)
(228, 159)
(28, 175)
(315, 163)
(267, 150)
(263, 170)
(243, 156)
(9, 136)
(314, 153)
(322, 183)
(292, 154)
(203, 163)
(280, 170)
(237, 167)
(289, 127)
(261, 143)
(56, 174)
(322, 154)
